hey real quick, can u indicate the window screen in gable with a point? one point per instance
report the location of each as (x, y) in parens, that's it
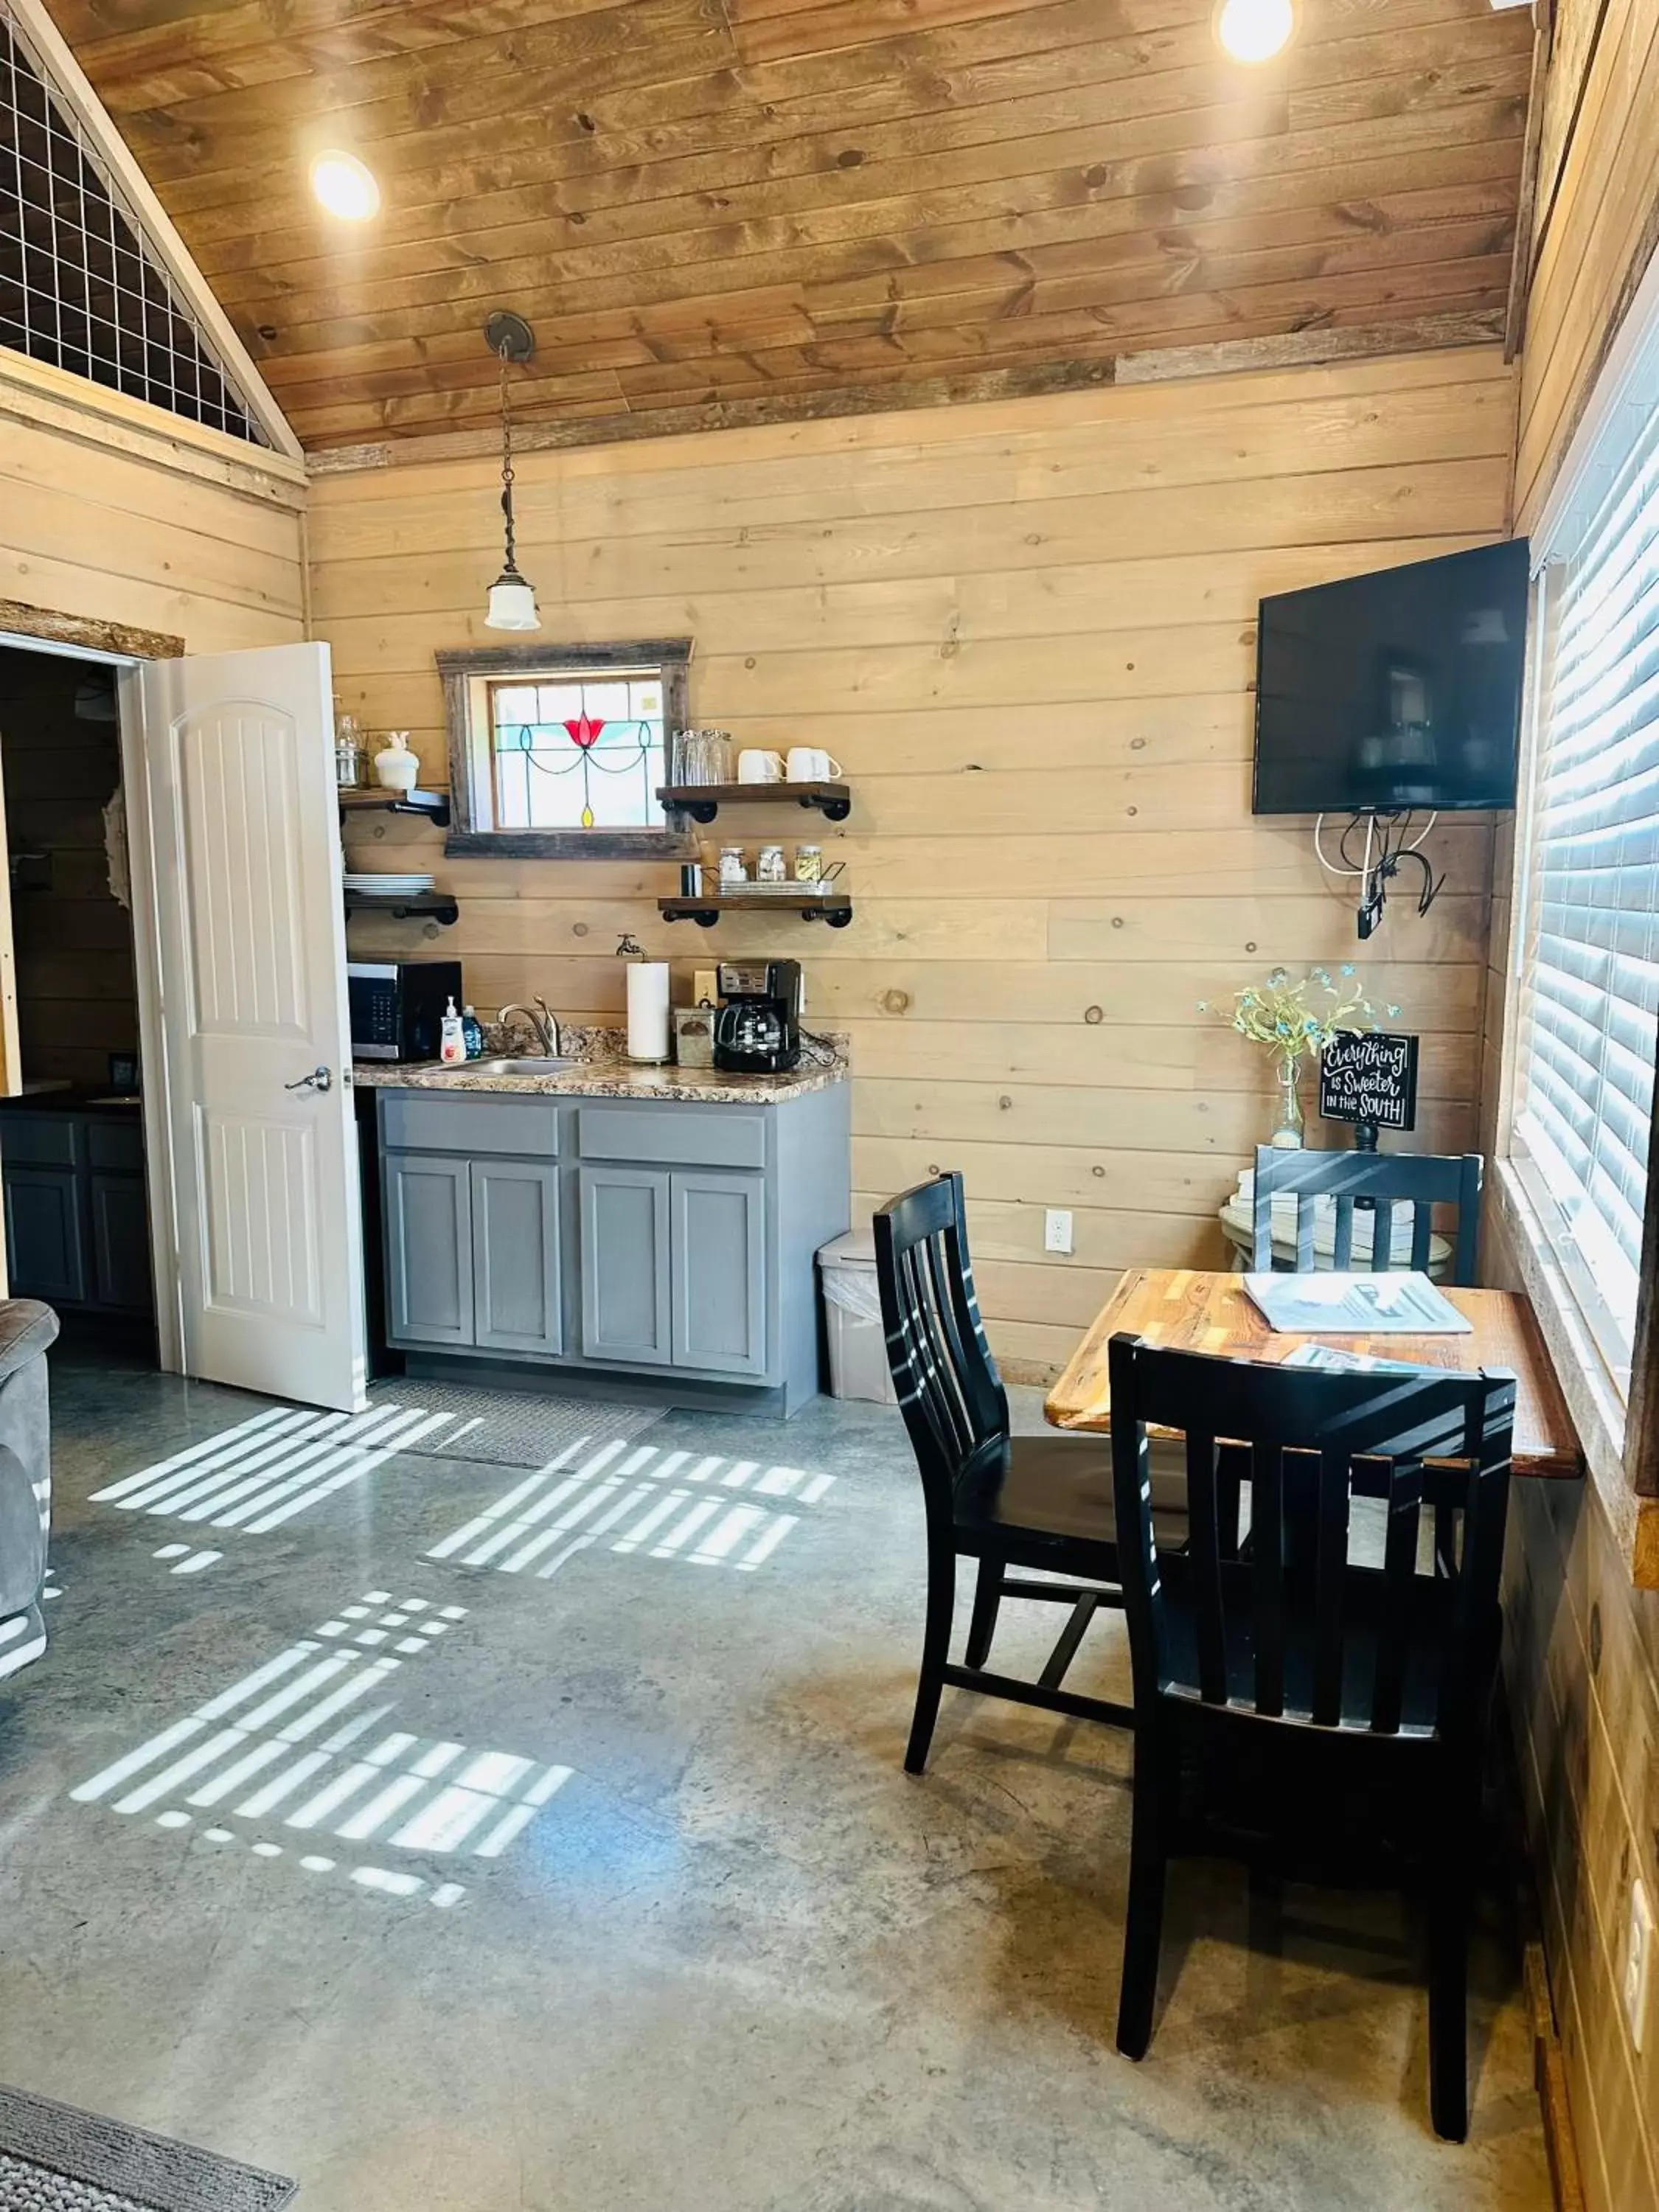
(78, 288)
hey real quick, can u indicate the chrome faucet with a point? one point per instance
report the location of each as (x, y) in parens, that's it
(541, 1018)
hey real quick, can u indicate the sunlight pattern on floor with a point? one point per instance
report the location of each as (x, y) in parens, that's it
(257, 1753)
(385, 1880)
(268, 1469)
(637, 1497)
(186, 1561)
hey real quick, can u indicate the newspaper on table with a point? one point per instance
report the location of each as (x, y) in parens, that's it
(1330, 1304)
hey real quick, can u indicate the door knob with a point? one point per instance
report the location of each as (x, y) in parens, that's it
(319, 1079)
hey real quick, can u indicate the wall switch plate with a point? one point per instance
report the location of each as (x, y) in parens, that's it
(1638, 1961)
(1057, 1230)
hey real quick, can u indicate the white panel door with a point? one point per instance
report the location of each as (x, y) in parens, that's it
(244, 845)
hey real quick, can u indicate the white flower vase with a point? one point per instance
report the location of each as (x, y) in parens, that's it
(396, 767)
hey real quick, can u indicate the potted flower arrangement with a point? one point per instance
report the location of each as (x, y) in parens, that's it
(1297, 1025)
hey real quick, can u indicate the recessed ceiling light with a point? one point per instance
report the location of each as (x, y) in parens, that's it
(345, 186)
(1254, 30)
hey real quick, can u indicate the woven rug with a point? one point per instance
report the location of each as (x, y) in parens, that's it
(512, 1428)
(54, 2158)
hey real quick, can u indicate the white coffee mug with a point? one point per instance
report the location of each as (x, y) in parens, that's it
(757, 767)
(812, 764)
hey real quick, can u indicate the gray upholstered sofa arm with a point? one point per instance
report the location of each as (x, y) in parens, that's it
(27, 1329)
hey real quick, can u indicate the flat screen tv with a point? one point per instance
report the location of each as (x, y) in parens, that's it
(1400, 690)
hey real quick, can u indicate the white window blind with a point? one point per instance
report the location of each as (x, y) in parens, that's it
(1590, 972)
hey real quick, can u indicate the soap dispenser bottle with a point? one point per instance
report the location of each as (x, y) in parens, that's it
(452, 1037)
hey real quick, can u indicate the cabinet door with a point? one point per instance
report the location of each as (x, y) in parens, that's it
(625, 1294)
(45, 1235)
(429, 1248)
(718, 1245)
(515, 1255)
(120, 1242)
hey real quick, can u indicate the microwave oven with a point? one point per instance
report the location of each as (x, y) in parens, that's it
(397, 1007)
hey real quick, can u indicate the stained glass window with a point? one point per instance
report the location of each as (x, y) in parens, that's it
(557, 751)
(571, 751)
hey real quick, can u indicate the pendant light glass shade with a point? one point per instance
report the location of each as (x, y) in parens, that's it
(512, 604)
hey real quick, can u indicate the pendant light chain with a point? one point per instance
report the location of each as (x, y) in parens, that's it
(507, 467)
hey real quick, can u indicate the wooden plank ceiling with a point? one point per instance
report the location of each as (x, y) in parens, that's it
(722, 209)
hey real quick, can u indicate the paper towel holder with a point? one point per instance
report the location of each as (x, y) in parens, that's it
(648, 1032)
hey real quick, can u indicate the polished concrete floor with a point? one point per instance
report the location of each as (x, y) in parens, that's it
(585, 1875)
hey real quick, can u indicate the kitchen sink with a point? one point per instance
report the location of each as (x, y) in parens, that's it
(529, 1065)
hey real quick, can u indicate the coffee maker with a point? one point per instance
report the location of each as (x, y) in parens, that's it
(757, 1029)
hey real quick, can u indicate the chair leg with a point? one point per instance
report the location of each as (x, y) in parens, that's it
(1143, 1928)
(982, 1624)
(1450, 1908)
(935, 1651)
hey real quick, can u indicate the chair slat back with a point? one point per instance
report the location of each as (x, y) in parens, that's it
(1421, 1181)
(948, 1390)
(1288, 1629)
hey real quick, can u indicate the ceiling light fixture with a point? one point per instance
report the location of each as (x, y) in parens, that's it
(345, 186)
(1254, 30)
(512, 600)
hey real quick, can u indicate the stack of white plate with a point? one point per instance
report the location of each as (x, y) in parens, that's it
(387, 886)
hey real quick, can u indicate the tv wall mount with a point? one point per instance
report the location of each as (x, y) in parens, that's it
(1391, 845)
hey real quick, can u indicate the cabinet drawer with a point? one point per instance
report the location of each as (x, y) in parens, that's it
(38, 1141)
(692, 1136)
(118, 1146)
(411, 1122)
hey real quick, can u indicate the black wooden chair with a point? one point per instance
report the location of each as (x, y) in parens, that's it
(1040, 1503)
(1419, 1180)
(1284, 1697)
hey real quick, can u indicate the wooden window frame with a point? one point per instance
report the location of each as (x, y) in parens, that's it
(467, 676)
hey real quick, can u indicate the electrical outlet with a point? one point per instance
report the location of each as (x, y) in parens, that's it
(1057, 1230)
(1638, 1961)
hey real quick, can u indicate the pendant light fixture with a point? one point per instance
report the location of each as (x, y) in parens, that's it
(1254, 30)
(512, 600)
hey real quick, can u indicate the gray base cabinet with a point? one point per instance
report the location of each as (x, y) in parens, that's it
(45, 1235)
(77, 1219)
(717, 1239)
(472, 1253)
(428, 1226)
(515, 1256)
(625, 1264)
(666, 1238)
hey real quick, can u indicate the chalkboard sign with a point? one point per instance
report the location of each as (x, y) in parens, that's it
(1369, 1076)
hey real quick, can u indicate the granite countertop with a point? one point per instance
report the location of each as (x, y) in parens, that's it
(600, 1071)
(72, 1098)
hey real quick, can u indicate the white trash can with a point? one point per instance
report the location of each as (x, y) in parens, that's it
(852, 1319)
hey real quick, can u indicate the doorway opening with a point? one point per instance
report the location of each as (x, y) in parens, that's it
(72, 1161)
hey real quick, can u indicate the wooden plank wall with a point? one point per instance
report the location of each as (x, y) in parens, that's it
(1581, 1646)
(114, 511)
(1026, 629)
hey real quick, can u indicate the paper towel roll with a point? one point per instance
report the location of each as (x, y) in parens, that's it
(647, 1010)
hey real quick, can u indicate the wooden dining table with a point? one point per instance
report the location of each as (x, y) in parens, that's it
(1191, 1311)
